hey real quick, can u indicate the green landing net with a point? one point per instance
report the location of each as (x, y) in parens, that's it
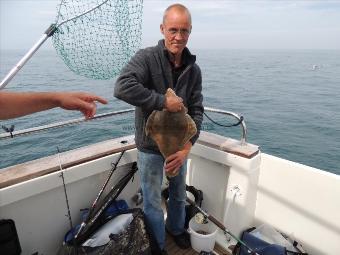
(97, 38)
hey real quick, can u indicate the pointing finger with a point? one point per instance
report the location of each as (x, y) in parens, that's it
(98, 99)
(101, 100)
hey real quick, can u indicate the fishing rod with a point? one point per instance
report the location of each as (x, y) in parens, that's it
(62, 177)
(115, 191)
(94, 204)
(205, 216)
(65, 192)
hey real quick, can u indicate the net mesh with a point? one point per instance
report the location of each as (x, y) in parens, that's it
(98, 43)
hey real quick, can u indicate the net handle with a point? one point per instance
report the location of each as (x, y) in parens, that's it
(48, 33)
(25, 58)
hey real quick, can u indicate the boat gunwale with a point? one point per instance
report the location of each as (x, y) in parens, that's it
(32, 169)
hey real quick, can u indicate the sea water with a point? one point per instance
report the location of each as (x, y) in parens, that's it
(290, 100)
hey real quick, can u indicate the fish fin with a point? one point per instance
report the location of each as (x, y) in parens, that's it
(191, 129)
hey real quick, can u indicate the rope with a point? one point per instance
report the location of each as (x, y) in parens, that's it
(222, 125)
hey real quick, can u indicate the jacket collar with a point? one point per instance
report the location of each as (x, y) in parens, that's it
(188, 58)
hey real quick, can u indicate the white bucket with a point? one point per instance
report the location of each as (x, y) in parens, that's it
(202, 242)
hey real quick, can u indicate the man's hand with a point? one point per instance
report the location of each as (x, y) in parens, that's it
(176, 160)
(173, 103)
(80, 101)
(17, 104)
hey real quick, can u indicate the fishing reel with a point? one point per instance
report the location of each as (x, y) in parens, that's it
(200, 218)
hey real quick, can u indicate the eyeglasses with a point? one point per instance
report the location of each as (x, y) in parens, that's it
(174, 31)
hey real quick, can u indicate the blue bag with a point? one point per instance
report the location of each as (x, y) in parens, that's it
(262, 247)
(116, 207)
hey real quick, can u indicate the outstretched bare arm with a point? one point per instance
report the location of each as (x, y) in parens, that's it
(16, 104)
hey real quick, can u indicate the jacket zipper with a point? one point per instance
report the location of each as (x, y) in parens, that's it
(185, 70)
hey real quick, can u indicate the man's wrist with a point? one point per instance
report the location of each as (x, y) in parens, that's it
(165, 103)
(54, 98)
(187, 148)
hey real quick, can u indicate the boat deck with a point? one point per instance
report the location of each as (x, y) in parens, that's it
(173, 249)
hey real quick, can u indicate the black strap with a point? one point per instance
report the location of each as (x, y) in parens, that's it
(9, 130)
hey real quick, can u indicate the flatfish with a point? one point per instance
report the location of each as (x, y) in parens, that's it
(170, 130)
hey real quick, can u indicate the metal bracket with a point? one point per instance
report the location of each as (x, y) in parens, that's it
(236, 191)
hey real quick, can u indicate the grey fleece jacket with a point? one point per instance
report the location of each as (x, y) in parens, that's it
(144, 81)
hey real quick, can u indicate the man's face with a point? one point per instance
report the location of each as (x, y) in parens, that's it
(176, 30)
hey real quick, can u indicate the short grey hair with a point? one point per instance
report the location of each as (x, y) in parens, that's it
(179, 7)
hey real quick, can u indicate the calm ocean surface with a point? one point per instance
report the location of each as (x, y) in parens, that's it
(291, 111)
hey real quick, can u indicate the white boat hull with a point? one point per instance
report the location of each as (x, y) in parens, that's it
(240, 191)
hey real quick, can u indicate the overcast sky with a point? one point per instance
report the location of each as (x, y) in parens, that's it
(216, 24)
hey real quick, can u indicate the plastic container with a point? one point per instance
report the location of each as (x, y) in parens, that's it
(199, 241)
(270, 235)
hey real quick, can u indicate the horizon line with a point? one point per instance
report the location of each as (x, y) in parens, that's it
(194, 48)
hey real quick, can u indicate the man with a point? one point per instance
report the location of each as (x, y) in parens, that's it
(16, 104)
(143, 83)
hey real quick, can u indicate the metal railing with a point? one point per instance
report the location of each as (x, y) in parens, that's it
(61, 124)
(109, 114)
(236, 116)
